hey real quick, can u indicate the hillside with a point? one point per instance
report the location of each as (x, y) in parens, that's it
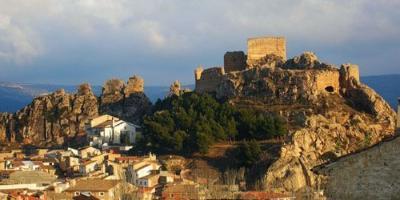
(329, 112)
(14, 96)
(58, 118)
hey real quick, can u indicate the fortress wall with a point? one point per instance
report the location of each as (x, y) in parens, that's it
(209, 79)
(234, 61)
(370, 174)
(325, 79)
(348, 74)
(259, 47)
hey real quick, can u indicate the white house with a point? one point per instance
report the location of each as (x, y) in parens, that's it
(142, 173)
(89, 166)
(106, 129)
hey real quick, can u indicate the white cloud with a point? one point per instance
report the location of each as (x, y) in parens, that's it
(17, 44)
(176, 25)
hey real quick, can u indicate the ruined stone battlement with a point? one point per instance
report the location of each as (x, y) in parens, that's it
(305, 70)
(235, 61)
(207, 80)
(258, 47)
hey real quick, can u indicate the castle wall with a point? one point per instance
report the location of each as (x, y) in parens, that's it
(348, 74)
(370, 174)
(259, 47)
(209, 79)
(234, 61)
(327, 81)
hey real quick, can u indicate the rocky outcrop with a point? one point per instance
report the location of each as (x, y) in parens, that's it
(307, 60)
(52, 119)
(175, 88)
(126, 101)
(329, 112)
(59, 118)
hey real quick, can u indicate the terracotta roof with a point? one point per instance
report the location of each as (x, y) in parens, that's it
(95, 185)
(127, 159)
(104, 124)
(88, 162)
(150, 176)
(142, 167)
(84, 197)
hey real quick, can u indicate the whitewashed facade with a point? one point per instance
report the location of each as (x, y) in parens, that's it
(107, 130)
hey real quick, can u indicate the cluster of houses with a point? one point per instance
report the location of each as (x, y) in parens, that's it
(73, 173)
(104, 170)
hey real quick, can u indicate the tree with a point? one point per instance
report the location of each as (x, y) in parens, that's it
(192, 122)
(249, 153)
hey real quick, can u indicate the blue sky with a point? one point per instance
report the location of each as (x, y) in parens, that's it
(74, 41)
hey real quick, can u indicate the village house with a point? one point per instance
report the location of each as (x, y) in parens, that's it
(87, 152)
(182, 191)
(87, 167)
(23, 165)
(98, 188)
(139, 172)
(106, 130)
(150, 180)
(144, 193)
(27, 180)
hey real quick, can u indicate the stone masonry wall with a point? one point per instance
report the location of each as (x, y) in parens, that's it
(234, 61)
(326, 80)
(370, 174)
(259, 47)
(209, 79)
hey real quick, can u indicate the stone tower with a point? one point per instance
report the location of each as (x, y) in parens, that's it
(197, 73)
(261, 46)
(234, 61)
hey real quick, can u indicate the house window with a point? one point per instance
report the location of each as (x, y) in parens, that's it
(101, 193)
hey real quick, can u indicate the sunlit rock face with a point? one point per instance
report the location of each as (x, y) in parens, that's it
(329, 112)
(126, 101)
(59, 118)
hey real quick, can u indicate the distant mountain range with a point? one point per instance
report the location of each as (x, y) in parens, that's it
(14, 96)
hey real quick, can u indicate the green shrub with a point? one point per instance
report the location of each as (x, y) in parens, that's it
(191, 123)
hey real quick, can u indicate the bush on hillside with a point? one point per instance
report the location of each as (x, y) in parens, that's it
(191, 123)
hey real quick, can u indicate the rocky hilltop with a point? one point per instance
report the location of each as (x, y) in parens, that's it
(59, 118)
(127, 101)
(329, 112)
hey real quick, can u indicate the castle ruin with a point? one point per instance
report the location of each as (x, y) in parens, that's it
(319, 77)
(257, 48)
(207, 80)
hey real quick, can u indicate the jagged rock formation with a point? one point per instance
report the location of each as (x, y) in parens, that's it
(126, 101)
(175, 88)
(330, 113)
(51, 119)
(59, 118)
